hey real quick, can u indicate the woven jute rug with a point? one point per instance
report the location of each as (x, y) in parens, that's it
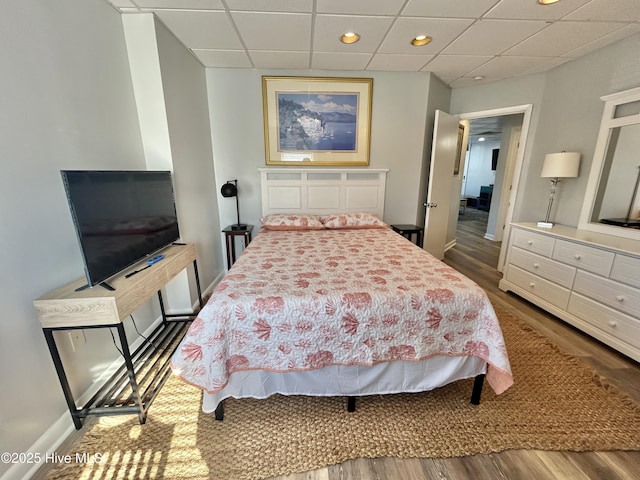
(556, 403)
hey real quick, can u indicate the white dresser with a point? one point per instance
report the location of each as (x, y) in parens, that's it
(590, 280)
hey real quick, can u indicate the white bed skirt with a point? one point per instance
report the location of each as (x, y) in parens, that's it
(392, 377)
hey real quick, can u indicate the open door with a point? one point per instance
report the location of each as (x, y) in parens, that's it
(443, 156)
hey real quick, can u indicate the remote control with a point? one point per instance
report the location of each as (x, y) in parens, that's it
(155, 259)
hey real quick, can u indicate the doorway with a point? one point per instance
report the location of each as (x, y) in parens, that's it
(493, 190)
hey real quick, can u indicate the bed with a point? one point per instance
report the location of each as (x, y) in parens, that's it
(329, 301)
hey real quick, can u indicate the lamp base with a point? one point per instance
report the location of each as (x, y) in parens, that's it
(239, 226)
(542, 224)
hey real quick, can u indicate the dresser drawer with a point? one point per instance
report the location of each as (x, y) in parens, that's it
(615, 294)
(538, 286)
(626, 270)
(544, 267)
(603, 318)
(584, 257)
(533, 242)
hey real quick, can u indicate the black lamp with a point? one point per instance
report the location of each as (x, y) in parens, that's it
(230, 189)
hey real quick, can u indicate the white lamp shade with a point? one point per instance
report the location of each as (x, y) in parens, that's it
(561, 165)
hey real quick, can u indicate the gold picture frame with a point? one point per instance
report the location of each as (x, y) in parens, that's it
(317, 120)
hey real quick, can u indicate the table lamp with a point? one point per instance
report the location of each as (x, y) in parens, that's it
(557, 166)
(230, 189)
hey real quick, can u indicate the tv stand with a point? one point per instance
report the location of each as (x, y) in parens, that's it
(102, 284)
(134, 386)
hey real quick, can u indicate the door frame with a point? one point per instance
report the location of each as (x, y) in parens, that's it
(526, 110)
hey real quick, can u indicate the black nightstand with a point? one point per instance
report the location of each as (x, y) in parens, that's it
(408, 231)
(229, 235)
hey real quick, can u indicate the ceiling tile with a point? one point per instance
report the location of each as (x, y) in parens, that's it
(201, 29)
(223, 58)
(607, 10)
(492, 37)
(267, 59)
(274, 31)
(297, 6)
(605, 40)
(360, 7)
(454, 66)
(183, 4)
(499, 38)
(442, 31)
(506, 67)
(340, 61)
(548, 64)
(329, 28)
(447, 8)
(562, 37)
(532, 10)
(398, 63)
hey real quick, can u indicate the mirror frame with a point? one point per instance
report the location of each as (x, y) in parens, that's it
(606, 125)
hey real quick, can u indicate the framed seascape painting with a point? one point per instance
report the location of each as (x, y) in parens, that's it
(317, 120)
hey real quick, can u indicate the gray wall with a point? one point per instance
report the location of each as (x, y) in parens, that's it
(566, 116)
(400, 111)
(439, 98)
(67, 103)
(72, 106)
(185, 95)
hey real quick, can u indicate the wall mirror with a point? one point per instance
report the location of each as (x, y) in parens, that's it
(612, 200)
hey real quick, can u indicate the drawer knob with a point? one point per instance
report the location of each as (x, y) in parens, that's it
(577, 256)
(613, 324)
(529, 242)
(620, 298)
(532, 285)
(536, 265)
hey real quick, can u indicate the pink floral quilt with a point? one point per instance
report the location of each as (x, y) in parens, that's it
(305, 299)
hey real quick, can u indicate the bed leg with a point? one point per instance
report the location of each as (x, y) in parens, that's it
(351, 404)
(220, 411)
(477, 389)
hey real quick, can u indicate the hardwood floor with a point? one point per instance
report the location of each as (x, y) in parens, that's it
(477, 258)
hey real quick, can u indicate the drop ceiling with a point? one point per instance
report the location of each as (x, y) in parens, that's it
(474, 41)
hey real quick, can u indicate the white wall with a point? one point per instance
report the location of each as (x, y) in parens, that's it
(478, 167)
(400, 106)
(67, 103)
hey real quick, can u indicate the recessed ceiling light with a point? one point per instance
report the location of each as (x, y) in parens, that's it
(350, 37)
(478, 77)
(420, 40)
(481, 139)
(547, 2)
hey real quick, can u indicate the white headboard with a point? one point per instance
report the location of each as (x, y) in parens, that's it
(323, 191)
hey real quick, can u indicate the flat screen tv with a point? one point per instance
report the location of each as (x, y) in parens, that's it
(120, 217)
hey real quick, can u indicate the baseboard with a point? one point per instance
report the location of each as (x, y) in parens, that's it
(48, 442)
(58, 432)
(450, 245)
(490, 236)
